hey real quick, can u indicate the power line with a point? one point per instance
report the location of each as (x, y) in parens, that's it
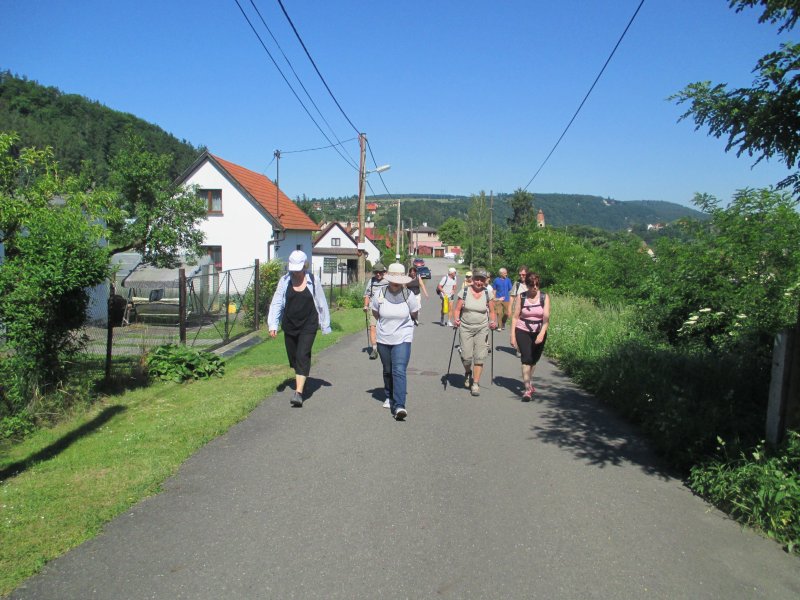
(608, 60)
(308, 54)
(297, 77)
(310, 116)
(320, 148)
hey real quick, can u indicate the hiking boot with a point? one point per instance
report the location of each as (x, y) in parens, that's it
(468, 379)
(297, 400)
(373, 353)
(475, 390)
(400, 414)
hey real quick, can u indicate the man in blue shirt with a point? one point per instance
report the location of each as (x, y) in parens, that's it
(502, 300)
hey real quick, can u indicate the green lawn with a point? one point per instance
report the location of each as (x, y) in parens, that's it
(76, 476)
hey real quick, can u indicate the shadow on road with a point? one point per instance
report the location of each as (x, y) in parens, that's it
(312, 385)
(577, 422)
(62, 443)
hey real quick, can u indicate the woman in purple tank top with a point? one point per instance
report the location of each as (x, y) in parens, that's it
(529, 330)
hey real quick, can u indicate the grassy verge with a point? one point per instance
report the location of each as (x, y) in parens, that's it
(76, 476)
(692, 406)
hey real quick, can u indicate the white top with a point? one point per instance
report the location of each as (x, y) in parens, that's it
(448, 285)
(394, 316)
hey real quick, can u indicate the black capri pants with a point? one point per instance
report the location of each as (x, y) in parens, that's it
(530, 351)
(298, 349)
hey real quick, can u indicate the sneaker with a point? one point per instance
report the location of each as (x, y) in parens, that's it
(400, 414)
(297, 400)
(387, 404)
(468, 379)
(449, 323)
(373, 353)
(526, 396)
(475, 390)
(519, 354)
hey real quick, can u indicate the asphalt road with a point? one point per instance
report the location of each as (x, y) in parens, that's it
(482, 497)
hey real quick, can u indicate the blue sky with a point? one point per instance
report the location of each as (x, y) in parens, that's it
(458, 96)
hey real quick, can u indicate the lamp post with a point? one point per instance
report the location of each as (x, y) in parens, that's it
(362, 186)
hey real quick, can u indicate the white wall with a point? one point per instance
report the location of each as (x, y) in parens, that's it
(242, 230)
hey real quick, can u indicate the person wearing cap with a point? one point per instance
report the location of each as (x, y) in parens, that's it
(475, 316)
(300, 308)
(447, 288)
(374, 286)
(467, 280)
(396, 310)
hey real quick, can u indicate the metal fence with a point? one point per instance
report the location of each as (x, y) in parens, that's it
(205, 311)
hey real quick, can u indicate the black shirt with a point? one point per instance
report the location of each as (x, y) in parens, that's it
(300, 312)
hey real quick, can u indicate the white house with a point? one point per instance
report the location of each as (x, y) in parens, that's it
(335, 255)
(248, 216)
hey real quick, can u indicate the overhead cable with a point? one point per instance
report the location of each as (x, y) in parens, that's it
(608, 60)
(308, 54)
(297, 77)
(320, 148)
(310, 116)
(379, 173)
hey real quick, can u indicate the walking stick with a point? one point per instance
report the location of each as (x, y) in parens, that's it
(449, 362)
(366, 318)
(491, 351)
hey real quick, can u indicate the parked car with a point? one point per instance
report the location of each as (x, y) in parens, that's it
(450, 255)
(419, 262)
(424, 272)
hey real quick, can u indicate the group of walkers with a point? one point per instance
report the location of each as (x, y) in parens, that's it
(392, 303)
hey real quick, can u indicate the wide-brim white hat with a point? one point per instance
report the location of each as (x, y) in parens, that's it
(396, 273)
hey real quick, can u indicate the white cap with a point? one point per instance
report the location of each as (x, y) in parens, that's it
(297, 260)
(451, 270)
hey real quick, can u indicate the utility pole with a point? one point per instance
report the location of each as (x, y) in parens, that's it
(491, 224)
(362, 181)
(399, 228)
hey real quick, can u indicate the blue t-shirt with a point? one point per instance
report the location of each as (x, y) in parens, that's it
(502, 287)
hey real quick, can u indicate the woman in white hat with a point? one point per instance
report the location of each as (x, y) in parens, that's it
(396, 311)
(299, 306)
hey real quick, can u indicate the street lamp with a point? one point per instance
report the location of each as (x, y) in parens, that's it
(362, 186)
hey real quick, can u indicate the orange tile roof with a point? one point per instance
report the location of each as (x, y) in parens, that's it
(266, 194)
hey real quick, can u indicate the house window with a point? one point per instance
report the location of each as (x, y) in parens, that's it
(329, 265)
(336, 241)
(213, 200)
(215, 253)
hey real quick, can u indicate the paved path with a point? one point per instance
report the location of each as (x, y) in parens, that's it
(469, 498)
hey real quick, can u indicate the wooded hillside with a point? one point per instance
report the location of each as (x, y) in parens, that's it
(79, 129)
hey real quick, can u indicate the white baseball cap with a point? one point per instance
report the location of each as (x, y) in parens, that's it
(297, 260)
(451, 270)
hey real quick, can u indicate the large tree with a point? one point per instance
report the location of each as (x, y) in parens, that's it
(160, 217)
(521, 209)
(762, 121)
(52, 237)
(477, 234)
(452, 232)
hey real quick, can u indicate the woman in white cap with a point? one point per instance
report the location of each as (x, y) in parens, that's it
(396, 310)
(299, 306)
(448, 288)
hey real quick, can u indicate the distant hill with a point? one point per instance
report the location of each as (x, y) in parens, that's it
(79, 129)
(559, 210)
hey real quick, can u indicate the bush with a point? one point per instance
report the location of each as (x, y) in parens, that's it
(352, 296)
(179, 363)
(760, 488)
(268, 276)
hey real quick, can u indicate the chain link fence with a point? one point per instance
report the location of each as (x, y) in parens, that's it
(205, 311)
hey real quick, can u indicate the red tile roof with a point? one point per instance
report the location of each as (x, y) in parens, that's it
(266, 194)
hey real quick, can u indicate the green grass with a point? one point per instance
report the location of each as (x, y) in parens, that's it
(76, 476)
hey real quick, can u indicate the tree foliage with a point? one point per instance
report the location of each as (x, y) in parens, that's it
(521, 202)
(762, 121)
(477, 234)
(452, 232)
(160, 218)
(51, 234)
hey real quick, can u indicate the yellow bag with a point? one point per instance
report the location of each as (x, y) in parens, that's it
(445, 304)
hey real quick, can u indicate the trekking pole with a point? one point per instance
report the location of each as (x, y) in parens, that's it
(491, 351)
(366, 318)
(449, 362)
